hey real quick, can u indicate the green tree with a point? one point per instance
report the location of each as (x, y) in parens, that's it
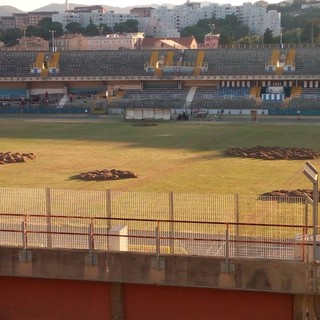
(45, 27)
(268, 36)
(11, 36)
(91, 30)
(195, 31)
(45, 23)
(230, 29)
(105, 29)
(74, 27)
(130, 25)
(31, 31)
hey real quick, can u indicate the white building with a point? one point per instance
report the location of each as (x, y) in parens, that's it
(168, 22)
(158, 28)
(97, 17)
(115, 41)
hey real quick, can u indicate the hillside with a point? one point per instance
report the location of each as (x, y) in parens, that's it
(8, 10)
(61, 7)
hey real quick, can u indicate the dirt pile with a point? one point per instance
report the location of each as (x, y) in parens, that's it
(288, 193)
(14, 157)
(273, 153)
(106, 174)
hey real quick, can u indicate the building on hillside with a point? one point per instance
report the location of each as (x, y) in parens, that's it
(211, 41)
(34, 43)
(143, 12)
(88, 9)
(160, 28)
(71, 42)
(193, 5)
(284, 4)
(116, 41)
(261, 3)
(258, 18)
(311, 4)
(108, 42)
(23, 20)
(7, 23)
(97, 17)
(168, 22)
(170, 43)
(29, 44)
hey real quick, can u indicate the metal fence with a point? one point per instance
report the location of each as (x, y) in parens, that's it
(192, 224)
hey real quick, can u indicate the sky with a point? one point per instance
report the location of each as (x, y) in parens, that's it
(29, 5)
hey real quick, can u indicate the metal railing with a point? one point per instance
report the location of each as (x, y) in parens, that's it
(200, 238)
(193, 224)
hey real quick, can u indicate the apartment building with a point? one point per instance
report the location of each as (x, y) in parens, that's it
(157, 22)
(22, 20)
(108, 42)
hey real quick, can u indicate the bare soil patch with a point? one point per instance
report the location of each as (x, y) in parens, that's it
(273, 153)
(15, 157)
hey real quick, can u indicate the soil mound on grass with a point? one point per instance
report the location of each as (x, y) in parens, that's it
(273, 153)
(15, 157)
(106, 174)
(288, 193)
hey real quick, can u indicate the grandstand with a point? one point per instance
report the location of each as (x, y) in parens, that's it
(279, 81)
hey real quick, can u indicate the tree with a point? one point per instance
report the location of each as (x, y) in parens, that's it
(91, 30)
(44, 28)
(268, 36)
(230, 29)
(45, 23)
(11, 36)
(195, 31)
(31, 31)
(130, 25)
(74, 27)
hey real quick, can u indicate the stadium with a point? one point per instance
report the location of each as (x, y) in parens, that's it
(177, 248)
(158, 84)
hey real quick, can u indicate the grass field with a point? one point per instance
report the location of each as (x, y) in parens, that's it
(183, 157)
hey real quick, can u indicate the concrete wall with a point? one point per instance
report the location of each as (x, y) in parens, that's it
(290, 279)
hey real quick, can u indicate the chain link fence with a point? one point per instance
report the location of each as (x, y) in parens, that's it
(190, 224)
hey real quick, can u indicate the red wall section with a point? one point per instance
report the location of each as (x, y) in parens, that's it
(35, 299)
(168, 303)
(24, 298)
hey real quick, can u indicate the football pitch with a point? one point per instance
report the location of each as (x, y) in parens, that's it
(182, 157)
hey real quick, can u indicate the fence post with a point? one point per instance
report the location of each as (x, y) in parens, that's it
(237, 218)
(227, 244)
(171, 226)
(304, 231)
(24, 234)
(48, 214)
(109, 207)
(109, 214)
(157, 263)
(227, 266)
(157, 242)
(90, 237)
(24, 254)
(91, 259)
(306, 209)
